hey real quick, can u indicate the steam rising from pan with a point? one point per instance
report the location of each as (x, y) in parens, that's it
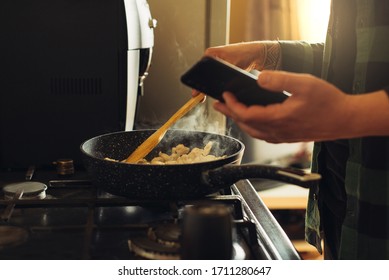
(200, 119)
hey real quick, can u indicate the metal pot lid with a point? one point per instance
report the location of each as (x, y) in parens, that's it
(29, 188)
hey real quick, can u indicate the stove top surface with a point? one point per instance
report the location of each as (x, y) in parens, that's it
(69, 218)
(75, 220)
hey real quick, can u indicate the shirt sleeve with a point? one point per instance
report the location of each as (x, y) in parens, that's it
(302, 57)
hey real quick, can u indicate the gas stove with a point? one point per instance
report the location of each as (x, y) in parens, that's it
(66, 217)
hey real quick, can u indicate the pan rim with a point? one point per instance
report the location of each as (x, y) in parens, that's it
(241, 149)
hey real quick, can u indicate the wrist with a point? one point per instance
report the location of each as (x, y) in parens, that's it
(270, 52)
(265, 55)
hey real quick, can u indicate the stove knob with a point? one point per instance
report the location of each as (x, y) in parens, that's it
(207, 233)
(65, 167)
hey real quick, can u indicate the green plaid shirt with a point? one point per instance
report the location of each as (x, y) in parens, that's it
(365, 230)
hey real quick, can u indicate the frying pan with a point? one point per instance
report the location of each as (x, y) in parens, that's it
(179, 181)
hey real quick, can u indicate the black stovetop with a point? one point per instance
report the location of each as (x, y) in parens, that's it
(79, 221)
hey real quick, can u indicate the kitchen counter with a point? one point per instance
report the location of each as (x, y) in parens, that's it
(277, 195)
(285, 197)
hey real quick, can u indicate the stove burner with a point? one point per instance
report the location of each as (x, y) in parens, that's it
(12, 236)
(149, 249)
(166, 233)
(31, 190)
(161, 243)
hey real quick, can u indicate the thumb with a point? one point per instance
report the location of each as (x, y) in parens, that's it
(286, 81)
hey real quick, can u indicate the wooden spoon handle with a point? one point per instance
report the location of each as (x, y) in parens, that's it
(149, 144)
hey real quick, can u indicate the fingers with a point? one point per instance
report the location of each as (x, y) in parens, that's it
(235, 106)
(231, 108)
(218, 51)
(286, 81)
(254, 120)
(196, 93)
(222, 108)
(212, 51)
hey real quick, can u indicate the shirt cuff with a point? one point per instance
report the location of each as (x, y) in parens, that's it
(302, 57)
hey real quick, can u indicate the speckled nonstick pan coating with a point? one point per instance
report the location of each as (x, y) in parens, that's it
(138, 181)
(171, 182)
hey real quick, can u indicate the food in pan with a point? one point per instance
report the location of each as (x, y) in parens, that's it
(182, 155)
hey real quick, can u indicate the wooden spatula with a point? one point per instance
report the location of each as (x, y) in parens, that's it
(150, 143)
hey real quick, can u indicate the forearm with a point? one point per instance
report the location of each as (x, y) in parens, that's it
(257, 55)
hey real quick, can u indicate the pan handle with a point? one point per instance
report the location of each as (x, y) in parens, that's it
(230, 174)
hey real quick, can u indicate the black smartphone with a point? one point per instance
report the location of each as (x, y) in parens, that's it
(213, 76)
